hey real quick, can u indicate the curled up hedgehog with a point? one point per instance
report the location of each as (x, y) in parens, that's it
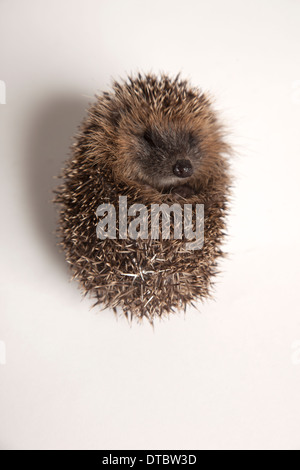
(153, 141)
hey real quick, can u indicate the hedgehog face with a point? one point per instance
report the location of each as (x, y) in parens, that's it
(167, 157)
(161, 134)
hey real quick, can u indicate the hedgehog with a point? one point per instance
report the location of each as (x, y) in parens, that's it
(154, 140)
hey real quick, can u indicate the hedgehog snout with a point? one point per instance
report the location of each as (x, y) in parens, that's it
(183, 168)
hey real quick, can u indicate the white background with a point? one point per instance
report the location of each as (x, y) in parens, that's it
(227, 377)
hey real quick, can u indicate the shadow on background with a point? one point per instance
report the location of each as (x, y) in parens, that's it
(51, 135)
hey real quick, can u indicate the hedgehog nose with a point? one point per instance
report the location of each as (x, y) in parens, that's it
(183, 168)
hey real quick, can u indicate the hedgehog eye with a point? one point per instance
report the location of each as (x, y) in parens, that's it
(192, 140)
(148, 137)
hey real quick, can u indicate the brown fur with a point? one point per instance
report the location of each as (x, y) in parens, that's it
(127, 146)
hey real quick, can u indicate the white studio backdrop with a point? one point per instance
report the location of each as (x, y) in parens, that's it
(225, 378)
